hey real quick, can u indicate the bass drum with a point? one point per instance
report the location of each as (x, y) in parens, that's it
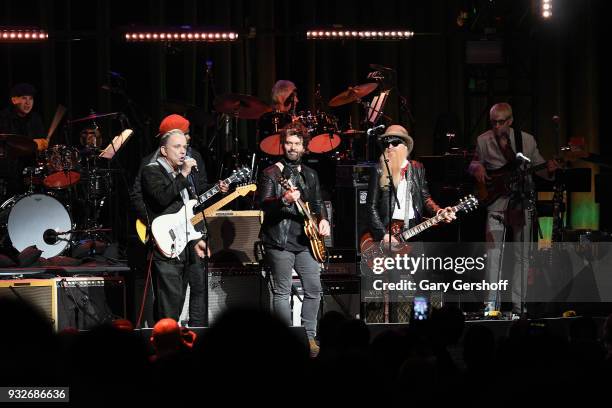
(33, 219)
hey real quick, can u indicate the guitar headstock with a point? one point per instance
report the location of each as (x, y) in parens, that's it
(467, 203)
(246, 189)
(240, 175)
(284, 182)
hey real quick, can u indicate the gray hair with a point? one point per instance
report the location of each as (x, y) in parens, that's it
(164, 138)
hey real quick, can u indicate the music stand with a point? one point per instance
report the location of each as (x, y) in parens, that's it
(114, 146)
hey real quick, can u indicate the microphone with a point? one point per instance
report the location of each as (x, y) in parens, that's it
(290, 99)
(523, 158)
(50, 237)
(189, 156)
(375, 129)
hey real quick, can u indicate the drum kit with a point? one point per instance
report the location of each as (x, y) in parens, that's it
(324, 129)
(66, 189)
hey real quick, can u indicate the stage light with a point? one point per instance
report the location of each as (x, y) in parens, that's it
(181, 35)
(546, 8)
(22, 35)
(380, 35)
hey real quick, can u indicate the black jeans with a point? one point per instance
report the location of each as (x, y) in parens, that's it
(171, 277)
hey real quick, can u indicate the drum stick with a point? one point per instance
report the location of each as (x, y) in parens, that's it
(59, 114)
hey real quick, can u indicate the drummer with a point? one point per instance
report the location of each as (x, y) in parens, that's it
(19, 119)
(284, 96)
(284, 102)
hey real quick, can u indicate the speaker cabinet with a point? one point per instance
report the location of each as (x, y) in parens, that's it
(87, 302)
(340, 293)
(351, 203)
(82, 303)
(233, 287)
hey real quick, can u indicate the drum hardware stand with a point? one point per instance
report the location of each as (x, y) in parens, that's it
(387, 119)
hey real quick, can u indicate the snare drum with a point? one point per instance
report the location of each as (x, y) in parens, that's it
(62, 166)
(35, 219)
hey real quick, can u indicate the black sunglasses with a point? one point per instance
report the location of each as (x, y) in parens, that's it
(394, 142)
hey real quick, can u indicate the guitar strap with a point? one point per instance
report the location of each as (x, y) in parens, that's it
(518, 140)
(408, 199)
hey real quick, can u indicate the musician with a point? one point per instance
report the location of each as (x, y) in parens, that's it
(496, 148)
(398, 145)
(284, 96)
(165, 189)
(285, 242)
(198, 182)
(411, 188)
(20, 119)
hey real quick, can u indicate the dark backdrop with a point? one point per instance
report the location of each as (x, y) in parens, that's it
(547, 68)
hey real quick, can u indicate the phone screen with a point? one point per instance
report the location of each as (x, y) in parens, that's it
(420, 308)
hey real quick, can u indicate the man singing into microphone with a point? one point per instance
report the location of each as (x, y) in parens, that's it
(494, 149)
(166, 187)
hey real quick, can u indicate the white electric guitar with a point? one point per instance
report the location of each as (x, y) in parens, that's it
(172, 232)
(170, 226)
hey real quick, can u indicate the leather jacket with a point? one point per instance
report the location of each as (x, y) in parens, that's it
(378, 199)
(277, 214)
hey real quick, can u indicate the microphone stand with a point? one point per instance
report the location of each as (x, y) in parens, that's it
(390, 202)
(206, 257)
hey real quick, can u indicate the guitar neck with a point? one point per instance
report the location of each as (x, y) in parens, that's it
(213, 208)
(302, 207)
(208, 194)
(215, 189)
(424, 225)
(537, 167)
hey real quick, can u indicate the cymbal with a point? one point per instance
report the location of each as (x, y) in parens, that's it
(241, 105)
(353, 94)
(17, 145)
(94, 116)
(271, 145)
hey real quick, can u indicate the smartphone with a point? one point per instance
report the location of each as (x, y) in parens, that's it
(420, 308)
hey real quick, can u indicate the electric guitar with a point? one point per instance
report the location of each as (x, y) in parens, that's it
(317, 244)
(171, 231)
(371, 249)
(503, 179)
(237, 176)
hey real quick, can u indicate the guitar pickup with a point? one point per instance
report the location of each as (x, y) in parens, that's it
(172, 235)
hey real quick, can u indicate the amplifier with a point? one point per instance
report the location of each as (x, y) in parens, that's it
(354, 174)
(38, 292)
(82, 303)
(233, 236)
(340, 262)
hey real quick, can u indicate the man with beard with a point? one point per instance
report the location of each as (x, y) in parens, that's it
(413, 198)
(282, 233)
